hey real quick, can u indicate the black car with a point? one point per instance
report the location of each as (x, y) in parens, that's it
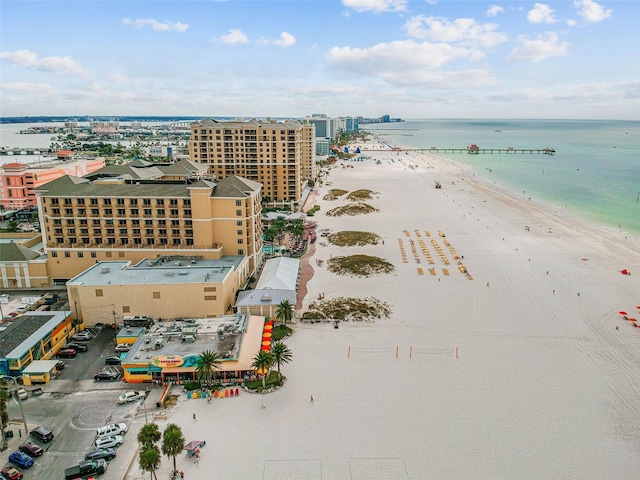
(106, 375)
(112, 361)
(80, 347)
(31, 449)
(105, 453)
(43, 434)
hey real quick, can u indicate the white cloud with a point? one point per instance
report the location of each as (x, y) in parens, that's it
(546, 45)
(116, 77)
(156, 25)
(42, 89)
(376, 6)
(494, 10)
(541, 13)
(234, 37)
(464, 31)
(29, 59)
(392, 61)
(591, 11)
(285, 40)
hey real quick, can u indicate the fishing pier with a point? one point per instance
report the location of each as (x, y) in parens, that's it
(475, 150)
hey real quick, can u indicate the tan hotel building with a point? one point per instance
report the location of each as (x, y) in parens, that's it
(144, 210)
(280, 156)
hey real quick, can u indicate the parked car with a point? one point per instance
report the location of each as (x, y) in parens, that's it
(132, 396)
(31, 449)
(22, 394)
(43, 434)
(112, 361)
(123, 347)
(21, 459)
(101, 453)
(112, 429)
(67, 353)
(82, 336)
(109, 441)
(98, 327)
(107, 375)
(11, 473)
(60, 365)
(80, 347)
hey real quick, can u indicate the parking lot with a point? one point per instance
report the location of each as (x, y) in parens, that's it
(73, 406)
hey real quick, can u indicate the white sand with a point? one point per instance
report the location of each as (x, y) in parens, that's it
(544, 386)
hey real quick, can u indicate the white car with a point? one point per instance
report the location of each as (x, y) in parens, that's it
(112, 429)
(82, 336)
(22, 394)
(112, 441)
(132, 396)
(123, 347)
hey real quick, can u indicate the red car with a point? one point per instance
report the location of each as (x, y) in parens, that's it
(67, 353)
(12, 473)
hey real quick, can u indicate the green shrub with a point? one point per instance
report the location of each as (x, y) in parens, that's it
(279, 332)
(271, 381)
(188, 386)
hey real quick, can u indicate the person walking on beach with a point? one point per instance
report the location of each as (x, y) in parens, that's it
(311, 399)
(194, 416)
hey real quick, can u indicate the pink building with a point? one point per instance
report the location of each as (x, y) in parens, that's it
(18, 180)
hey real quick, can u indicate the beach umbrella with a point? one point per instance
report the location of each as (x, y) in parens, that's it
(268, 328)
(622, 313)
(265, 348)
(638, 307)
(632, 319)
(266, 343)
(266, 335)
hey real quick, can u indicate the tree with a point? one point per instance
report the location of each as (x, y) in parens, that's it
(4, 413)
(297, 228)
(281, 354)
(150, 459)
(149, 434)
(13, 226)
(262, 362)
(284, 312)
(279, 224)
(207, 365)
(172, 442)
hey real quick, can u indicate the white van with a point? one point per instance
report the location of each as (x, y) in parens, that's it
(112, 429)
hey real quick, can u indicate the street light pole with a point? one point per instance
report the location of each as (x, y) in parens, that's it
(15, 382)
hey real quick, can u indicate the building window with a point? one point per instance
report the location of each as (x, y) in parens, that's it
(80, 254)
(240, 241)
(189, 241)
(94, 255)
(99, 292)
(240, 251)
(238, 203)
(54, 254)
(208, 298)
(108, 254)
(238, 213)
(126, 309)
(156, 295)
(238, 232)
(209, 289)
(239, 223)
(67, 254)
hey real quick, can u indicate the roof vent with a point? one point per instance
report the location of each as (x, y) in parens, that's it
(184, 272)
(105, 270)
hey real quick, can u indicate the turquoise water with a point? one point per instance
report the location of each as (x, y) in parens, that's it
(595, 171)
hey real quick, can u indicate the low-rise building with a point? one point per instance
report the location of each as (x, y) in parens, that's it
(168, 287)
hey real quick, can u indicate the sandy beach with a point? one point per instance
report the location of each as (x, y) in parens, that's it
(524, 371)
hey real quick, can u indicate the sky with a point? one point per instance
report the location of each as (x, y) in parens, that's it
(413, 59)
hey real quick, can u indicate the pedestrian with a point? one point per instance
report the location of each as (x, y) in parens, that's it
(554, 290)
(487, 284)
(194, 416)
(181, 475)
(197, 458)
(20, 432)
(311, 399)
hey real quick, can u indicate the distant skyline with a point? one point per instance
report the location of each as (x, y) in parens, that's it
(292, 58)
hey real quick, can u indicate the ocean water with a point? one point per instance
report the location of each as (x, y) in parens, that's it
(594, 173)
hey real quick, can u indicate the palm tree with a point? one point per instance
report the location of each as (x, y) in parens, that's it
(149, 434)
(207, 365)
(149, 459)
(279, 224)
(172, 442)
(281, 354)
(284, 312)
(261, 362)
(4, 413)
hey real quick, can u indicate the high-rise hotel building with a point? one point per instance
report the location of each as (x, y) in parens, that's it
(279, 155)
(142, 211)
